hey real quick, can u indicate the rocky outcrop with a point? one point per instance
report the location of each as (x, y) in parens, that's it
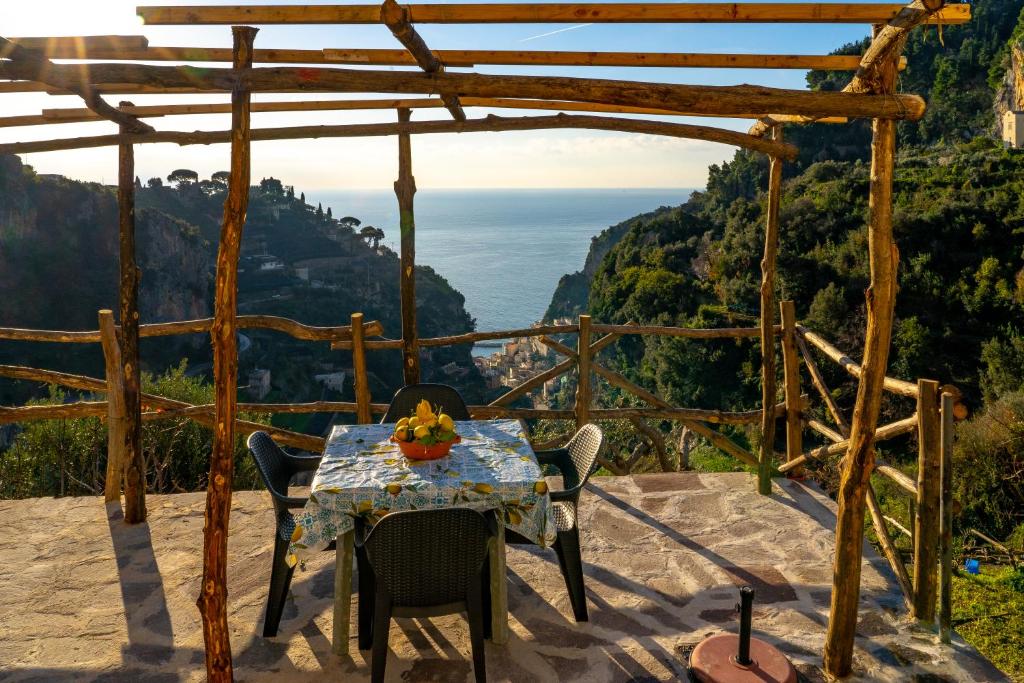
(59, 254)
(1010, 96)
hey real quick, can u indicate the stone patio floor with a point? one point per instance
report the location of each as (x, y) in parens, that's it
(84, 597)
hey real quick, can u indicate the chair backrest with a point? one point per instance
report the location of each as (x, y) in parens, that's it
(428, 557)
(406, 398)
(272, 464)
(584, 448)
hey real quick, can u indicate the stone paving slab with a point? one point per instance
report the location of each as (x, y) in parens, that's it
(84, 597)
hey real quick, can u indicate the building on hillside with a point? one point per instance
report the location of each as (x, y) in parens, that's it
(335, 381)
(259, 383)
(1013, 129)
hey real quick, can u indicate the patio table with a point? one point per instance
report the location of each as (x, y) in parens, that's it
(363, 474)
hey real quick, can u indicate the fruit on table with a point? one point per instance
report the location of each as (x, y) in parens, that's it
(427, 426)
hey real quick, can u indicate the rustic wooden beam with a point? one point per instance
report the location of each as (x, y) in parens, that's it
(396, 18)
(889, 431)
(888, 43)
(165, 407)
(62, 411)
(818, 380)
(80, 115)
(720, 441)
(727, 101)
(488, 124)
(929, 499)
(889, 547)
(133, 458)
(584, 390)
(405, 191)
(947, 435)
(541, 13)
(136, 49)
(212, 600)
(694, 60)
(791, 374)
(895, 386)
(114, 373)
(859, 463)
(32, 65)
(766, 449)
(74, 47)
(360, 378)
(826, 431)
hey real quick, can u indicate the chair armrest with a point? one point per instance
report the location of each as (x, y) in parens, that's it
(559, 459)
(304, 463)
(292, 501)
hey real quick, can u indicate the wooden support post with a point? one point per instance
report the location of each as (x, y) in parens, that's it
(583, 388)
(947, 432)
(889, 547)
(767, 323)
(818, 380)
(115, 406)
(794, 402)
(212, 600)
(405, 190)
(856, 474)
(133, 460)
(360, 380)
(929, 484)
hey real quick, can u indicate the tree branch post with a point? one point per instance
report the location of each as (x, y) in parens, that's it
(791, 375)
(583, 386)
(114, 371)
(927, 512)
(405, 190)
(767, 322)
(212, 600)
(360, 380)
(883, 258)
(133, 460)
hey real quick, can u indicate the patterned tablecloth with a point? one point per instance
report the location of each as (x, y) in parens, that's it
(363, 474)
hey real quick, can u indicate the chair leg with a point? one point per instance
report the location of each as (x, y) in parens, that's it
(367, 589)
(475, 615)
(381, 629)
(280, 580)
(567, 547)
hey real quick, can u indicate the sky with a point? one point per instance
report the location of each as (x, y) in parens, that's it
(528, 159)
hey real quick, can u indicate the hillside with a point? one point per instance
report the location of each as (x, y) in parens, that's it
(58, 250)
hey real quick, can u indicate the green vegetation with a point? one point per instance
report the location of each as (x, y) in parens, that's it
(959, 225)
(988, 611)
(68, 457)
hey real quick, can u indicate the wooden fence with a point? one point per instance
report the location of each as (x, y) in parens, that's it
(933, 420)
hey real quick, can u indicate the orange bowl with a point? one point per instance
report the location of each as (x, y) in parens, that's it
(417, 451)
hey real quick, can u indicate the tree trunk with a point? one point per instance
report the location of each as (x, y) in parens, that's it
(212, 600)
(859, 462)
(405, 189)
(134, 464)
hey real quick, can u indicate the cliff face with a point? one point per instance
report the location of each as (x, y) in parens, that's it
(572, 294)
(59, 253)
(1010, 96)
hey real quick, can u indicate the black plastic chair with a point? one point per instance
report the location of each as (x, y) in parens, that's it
(576, 462)
(406, 398)
(425, 563)
(277, 469)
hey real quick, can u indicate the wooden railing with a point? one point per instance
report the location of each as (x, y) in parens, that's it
(931, 502)
(932, 421)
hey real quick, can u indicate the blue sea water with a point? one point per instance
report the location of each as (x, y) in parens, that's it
(503, 249)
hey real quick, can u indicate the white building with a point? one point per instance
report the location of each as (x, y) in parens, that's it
(259, 383)
(1013, 129)
(335, 381)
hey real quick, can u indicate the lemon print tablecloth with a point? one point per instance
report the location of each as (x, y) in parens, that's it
(363, 474)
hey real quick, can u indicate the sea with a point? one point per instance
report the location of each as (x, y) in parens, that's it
(503, 249)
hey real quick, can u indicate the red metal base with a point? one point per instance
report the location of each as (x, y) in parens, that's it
(714, 661)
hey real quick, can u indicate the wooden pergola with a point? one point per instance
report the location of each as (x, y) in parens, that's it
(114, 68)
